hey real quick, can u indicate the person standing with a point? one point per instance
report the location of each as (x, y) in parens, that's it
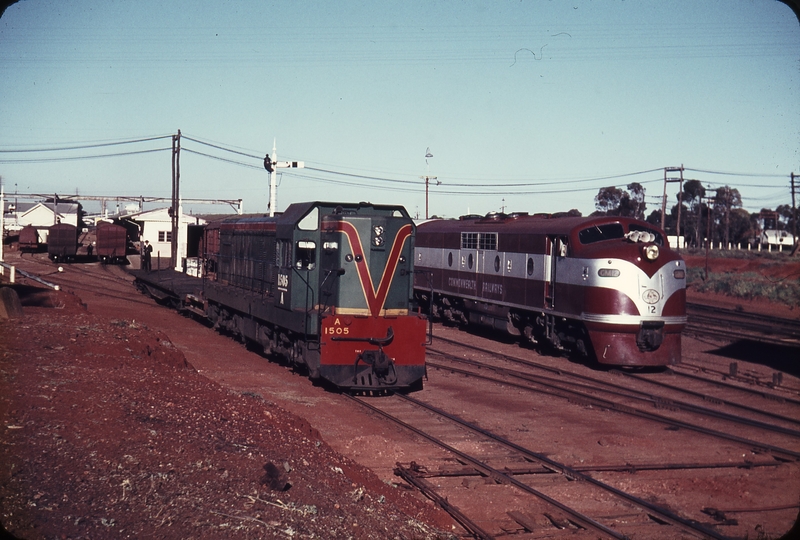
(147, 251)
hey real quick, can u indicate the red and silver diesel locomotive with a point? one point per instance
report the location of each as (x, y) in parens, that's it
(606, 287)
(327, 285)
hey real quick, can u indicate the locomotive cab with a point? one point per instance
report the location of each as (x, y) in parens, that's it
(636, 290)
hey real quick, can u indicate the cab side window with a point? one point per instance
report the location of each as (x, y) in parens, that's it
(305, 255)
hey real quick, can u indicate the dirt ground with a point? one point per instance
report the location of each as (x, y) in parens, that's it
(111, 429)
(109, 432)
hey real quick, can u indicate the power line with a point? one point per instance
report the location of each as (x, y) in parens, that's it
(751, 175)
(400, 185)
(483, 182)
(351, 175)
(78, 158)
(240, 163)
(441, 191)
(572, 181)
(83, 147)
(221, 148)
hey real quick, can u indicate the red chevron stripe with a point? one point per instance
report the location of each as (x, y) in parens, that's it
(375, 298)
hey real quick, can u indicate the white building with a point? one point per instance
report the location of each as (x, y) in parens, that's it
(774, 237)
(41, 215)
(155, 226)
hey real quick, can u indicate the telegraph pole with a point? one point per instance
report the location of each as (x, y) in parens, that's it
(2, 216)
(708, 230)
(427, 180)
(271, 163)
(175, 208)
(794, 216)
(680, 201)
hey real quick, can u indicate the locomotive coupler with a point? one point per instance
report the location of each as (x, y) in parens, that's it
(382, 365)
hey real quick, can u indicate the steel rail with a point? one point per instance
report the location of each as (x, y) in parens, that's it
(496, 475)
(677, 370)
(413, 478)
(568, 472)
(791, 326)
(706, 397)
(630, 393)
(634, 395)
(728, 324)
(759, 447)
(560, 371)
(779, 330)
(643, 396)
(695, 328)
(630, 468)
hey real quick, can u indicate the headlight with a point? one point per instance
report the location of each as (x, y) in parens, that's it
(651, 252)
(608, 272)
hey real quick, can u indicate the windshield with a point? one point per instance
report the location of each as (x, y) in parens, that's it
(598, 233)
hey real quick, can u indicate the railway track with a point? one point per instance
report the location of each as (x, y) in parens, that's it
(772, 387)
(506, 463)
(623, 399)
(768, 438)
(674, 394)
(111, 281)
(711, 321)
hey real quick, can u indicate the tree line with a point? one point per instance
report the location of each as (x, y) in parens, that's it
(729, 222)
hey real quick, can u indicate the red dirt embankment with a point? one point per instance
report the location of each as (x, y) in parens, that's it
(108, 432)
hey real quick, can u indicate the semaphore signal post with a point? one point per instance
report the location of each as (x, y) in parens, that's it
(271, 163)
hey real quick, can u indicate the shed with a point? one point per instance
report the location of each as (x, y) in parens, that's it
(155, 226)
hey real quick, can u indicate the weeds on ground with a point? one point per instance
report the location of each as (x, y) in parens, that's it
(747, 285)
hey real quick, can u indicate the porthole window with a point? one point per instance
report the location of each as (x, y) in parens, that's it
(497, 263)
(530, 266)
(450, 259)
(470, 261)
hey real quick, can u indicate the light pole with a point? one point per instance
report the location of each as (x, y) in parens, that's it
(428, 178)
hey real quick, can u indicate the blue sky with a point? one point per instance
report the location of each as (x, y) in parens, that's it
(525, 105)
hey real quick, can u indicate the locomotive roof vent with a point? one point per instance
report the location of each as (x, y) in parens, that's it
(515, 215)
(467, 217)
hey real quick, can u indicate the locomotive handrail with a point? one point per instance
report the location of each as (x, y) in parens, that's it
(380, 342)
(308, 309)
(429, 275)
(328, 273)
